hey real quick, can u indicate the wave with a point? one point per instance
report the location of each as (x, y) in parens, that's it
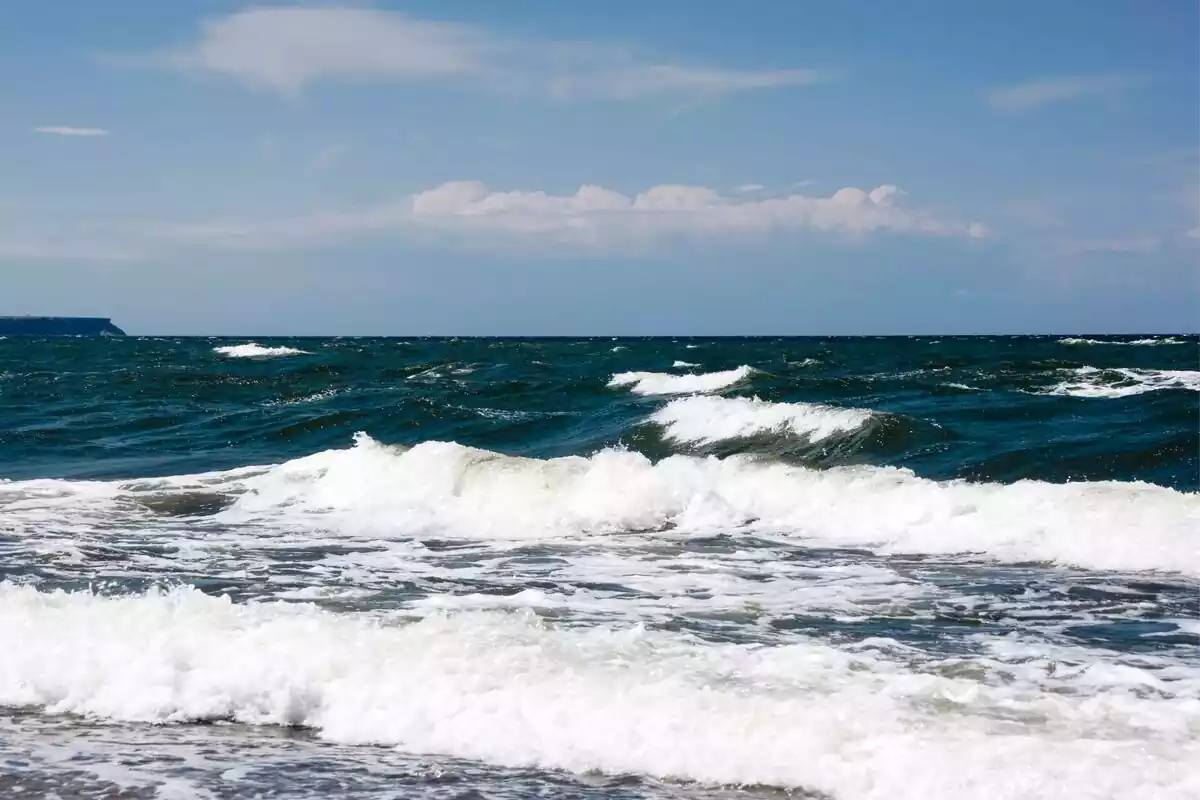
(684, 364)
(372, 491)
(1137, 342)
(865, 721)
(707, 420)
(315, 397)
(665, 383)
(1123, 382)
(255, 350)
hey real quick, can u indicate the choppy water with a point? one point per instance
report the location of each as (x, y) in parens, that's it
(752, 568)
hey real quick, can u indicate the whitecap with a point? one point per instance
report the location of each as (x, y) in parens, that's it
(376, 491)
(706, 420)
(1147, 342)
(1123, 382)
(665, 383)
(452, 490)
(255, 350)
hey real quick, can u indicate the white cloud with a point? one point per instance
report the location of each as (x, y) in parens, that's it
(749, 188)
(592, 217)
(287, 48)
(1044, 91)
(632, 83)
(59, 130)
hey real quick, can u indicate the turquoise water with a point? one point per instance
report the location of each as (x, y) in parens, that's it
(601, 568)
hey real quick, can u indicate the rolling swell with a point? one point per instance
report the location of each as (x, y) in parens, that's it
(947, 409)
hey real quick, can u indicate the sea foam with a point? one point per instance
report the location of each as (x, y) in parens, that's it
(665, 383)
(706, 420)
(443, 489)
(1123, 382)
(255, 350)
(866, 722)
(451, 490)
(1135, 342)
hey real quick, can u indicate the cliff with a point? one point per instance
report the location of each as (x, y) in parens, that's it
(58, 326)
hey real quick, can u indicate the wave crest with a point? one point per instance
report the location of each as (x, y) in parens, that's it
(707, 420)
(449, 490)
(1123, 382)
(646, 383)
(256, 350)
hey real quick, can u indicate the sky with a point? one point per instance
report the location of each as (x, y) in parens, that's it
(617, 168)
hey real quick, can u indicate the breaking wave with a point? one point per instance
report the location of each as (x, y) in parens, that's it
(706, 420)
(1123, 382)
(255, 350)
(444, 489)
(665, 383)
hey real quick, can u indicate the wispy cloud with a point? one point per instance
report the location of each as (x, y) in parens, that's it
(286, 49)
(60, 130)
(592, 217)
(749, 188)
(1135, 243)
(60, 246)
(1048, 90)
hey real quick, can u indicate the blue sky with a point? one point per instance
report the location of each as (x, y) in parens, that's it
(626, 168)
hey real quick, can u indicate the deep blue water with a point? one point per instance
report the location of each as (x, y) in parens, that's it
(600, 567)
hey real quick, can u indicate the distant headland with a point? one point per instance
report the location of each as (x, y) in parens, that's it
(58, 326)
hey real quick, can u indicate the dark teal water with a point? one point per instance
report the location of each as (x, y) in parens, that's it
(600, 568)
(974, 408)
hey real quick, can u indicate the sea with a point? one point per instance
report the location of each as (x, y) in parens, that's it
(942, 568)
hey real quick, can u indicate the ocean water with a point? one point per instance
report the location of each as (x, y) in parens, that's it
(630, 568)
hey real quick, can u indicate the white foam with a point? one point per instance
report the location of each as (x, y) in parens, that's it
(705, 420)
(876, 721)
(664, 383)
(255, 350)
(1123, 382)
(458, 491)
(684, 364)
(1136, 342)
(372, 491)
(316, 397)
